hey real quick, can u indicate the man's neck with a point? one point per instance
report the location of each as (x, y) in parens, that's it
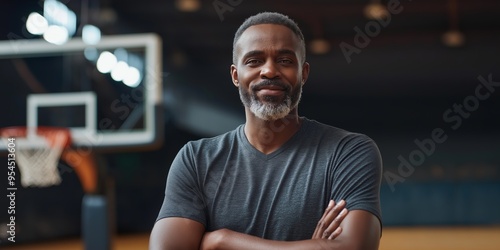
(268, 136)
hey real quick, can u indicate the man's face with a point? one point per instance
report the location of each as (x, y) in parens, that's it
(268, 72)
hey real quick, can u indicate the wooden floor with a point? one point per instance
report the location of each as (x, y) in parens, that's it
(470, 238)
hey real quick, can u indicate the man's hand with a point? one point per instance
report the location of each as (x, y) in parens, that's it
(329, 225)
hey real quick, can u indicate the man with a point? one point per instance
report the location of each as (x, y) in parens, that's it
(279, 181)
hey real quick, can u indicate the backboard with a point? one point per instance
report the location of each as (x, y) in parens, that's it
(62, 86)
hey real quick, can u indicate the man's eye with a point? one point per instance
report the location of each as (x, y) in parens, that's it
(285, 61)
(252, 61)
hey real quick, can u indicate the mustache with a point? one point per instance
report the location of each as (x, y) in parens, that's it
(271, 82)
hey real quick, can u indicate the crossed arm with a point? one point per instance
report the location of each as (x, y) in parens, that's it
(337, 229)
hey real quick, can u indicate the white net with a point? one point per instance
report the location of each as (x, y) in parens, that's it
(37, 159)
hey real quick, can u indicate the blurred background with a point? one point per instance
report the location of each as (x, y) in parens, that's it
(421, 78)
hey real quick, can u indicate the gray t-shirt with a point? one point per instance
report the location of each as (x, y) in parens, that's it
(224, 182)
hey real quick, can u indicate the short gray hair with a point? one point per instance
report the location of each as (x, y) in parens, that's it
(270, 18)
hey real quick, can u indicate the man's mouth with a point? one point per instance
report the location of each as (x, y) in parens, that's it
(270, 90)
(270, 87)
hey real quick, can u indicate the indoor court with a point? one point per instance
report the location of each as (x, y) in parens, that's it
(394, 238)
(99, 96)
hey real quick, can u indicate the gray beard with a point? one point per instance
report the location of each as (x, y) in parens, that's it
(270, 110)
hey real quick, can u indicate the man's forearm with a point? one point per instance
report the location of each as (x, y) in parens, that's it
(225, 239)
(360, 230)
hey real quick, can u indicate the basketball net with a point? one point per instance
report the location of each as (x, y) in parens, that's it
(37, 158)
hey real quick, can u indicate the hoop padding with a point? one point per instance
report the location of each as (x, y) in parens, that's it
(85, 167)
(37, 154)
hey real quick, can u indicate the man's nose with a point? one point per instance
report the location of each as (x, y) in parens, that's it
(270, 70)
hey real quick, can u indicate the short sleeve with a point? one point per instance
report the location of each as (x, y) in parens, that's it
(183, 196)
(358, 174)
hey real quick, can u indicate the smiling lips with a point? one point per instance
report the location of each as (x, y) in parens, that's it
(270, 90)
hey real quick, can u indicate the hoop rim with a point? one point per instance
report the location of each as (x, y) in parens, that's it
(47, 132)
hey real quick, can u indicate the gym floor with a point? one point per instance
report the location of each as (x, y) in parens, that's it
(394, 238)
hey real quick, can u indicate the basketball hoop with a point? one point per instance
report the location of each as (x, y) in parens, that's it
(37, 153)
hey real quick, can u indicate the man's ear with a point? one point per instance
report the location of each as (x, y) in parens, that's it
(234, 75)
(305, 72)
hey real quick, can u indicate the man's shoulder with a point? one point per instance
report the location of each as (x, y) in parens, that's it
(215, 141)
(330, 131)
